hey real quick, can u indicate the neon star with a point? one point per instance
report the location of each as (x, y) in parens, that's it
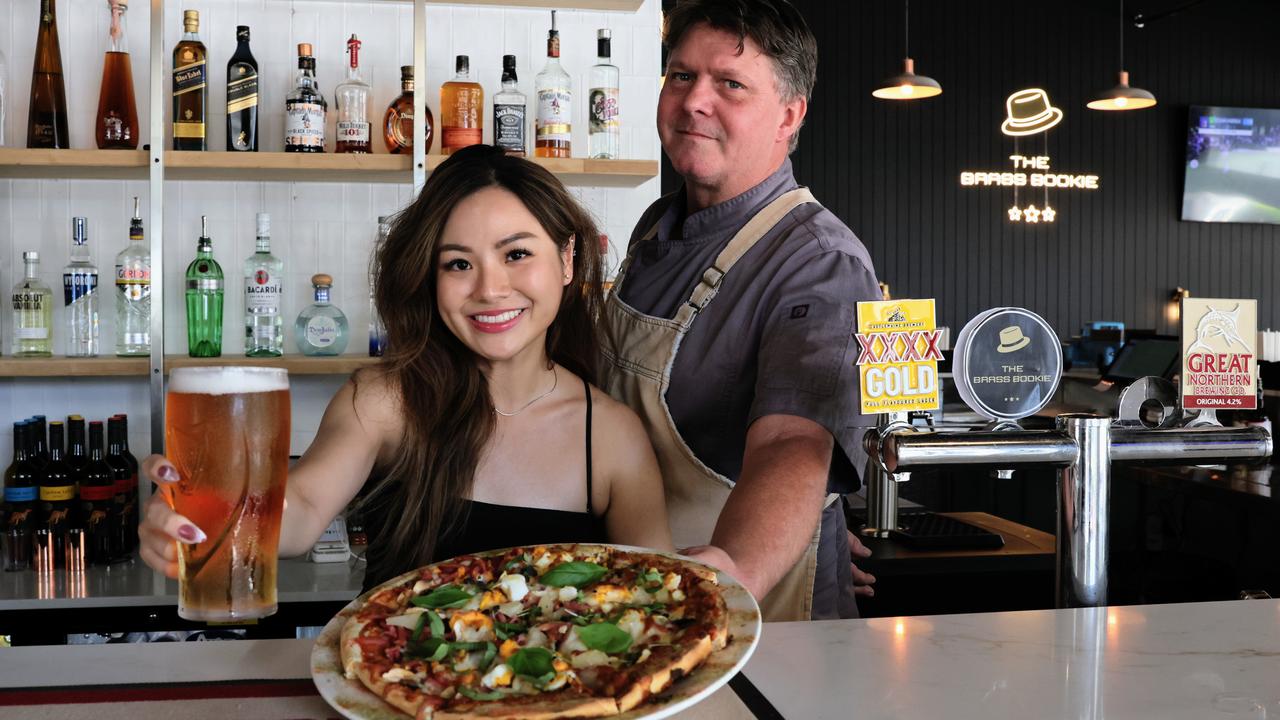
(1015, 213)
(1048, 214)
(1033, 215)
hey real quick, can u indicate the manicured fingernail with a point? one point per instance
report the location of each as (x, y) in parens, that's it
(191, 534)
(168, 474)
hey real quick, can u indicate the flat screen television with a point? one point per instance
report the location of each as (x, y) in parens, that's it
(1233, 165)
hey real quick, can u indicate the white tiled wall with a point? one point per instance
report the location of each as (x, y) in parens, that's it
(316, 227)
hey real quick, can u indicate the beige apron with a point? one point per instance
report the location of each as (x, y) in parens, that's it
(638, 373)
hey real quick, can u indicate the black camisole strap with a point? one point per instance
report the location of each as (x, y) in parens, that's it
(586, 386)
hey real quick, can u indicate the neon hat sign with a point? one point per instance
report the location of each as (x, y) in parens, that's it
(1027, 113)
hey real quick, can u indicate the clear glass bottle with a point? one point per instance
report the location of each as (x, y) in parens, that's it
(116, 124)
(604, 127)
(461, 109)
(263, 294)
(32, 312)
(204, 299)
(351, 100)
(133, 292)
(377, 329)
(553, 134)
(321, 328)
(510, 109)
(304, 108)
(80, 294)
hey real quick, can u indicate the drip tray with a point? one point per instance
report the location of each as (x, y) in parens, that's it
(921, 530)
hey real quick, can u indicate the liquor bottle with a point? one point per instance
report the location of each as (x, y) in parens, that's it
(204, 299)
(304, 108)
(461, 109)
(39, 442)
(133, 292)
(47, 116)
(125, 502)
(57, 510)
(4, 96)
(378, 329)
(397, 124)
(242, 96)
(554, 117)
(190, 87)
(21, 492)
(124, 443)
(80, 294)
(351, 100)
(509, 109)
(77, 455)
(98, 507)
(604, 128)
(116, 124)
(321, 328)
(263, 295)
(32, 312)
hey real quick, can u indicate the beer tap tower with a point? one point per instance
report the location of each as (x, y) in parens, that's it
(1150, 429)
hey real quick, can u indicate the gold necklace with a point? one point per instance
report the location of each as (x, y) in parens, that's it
(555, 380)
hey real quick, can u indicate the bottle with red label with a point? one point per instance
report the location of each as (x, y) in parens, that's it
(98, 503)
(263, 294)
(133, 292)
(351, 99)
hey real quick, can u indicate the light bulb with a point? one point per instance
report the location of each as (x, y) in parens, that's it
(906, 89)
(1122, 102)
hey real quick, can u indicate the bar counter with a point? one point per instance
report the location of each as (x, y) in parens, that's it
(1199, 660)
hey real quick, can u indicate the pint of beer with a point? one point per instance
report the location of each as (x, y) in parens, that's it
(227, 431)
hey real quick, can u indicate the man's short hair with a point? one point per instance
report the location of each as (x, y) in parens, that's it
(775, 25)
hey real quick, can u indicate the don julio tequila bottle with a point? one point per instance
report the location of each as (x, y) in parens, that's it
(80, 294)
(32, 312)
(204, 299)
(321, 328)
(133, 292)
(47, 116)
(263, 293)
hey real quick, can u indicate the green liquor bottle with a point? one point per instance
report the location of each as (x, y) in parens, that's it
(204, 299)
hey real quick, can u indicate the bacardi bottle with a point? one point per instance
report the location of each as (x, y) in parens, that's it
(80, 294)
(553, 134)
(32, 312)
(263, 295)
(204, 299)
(133, 292)
(305, 107)
(604, 126)
(509, 108)
(351, 99)
(321, 328)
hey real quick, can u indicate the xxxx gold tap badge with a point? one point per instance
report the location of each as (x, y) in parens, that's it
(898, 362)
(1219, 354)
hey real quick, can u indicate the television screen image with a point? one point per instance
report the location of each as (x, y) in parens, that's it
(1233, 165)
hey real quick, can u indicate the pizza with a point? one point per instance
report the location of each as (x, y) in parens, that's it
(535, 632)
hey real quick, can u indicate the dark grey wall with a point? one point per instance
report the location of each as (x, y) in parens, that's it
(891, 170)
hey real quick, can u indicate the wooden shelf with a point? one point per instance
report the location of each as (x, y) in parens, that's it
(288, 167)
(73, 367)
(584, 171)
(73, 164)
(295, 364)
(594, 5)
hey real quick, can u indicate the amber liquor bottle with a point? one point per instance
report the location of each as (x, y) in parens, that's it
(397, 124)
(47, 118)
(242, 96)
(190, 88)
(461, 110)
(116, 124)
(304, 108)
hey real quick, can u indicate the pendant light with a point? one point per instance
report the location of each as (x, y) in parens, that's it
(1122, 97)
(907, 85)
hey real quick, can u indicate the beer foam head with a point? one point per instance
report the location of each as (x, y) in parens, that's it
(227, 380)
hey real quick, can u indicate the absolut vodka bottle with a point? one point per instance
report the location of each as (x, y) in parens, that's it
(32, 325)
(80, 294)
(263, 294)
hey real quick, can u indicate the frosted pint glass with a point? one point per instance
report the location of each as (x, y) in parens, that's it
(227, 431)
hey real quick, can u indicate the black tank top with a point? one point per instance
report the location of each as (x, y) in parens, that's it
(486, 526)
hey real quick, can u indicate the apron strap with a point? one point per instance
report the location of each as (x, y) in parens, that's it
(744, 240)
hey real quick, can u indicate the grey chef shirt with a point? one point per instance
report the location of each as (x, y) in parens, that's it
(777, 339)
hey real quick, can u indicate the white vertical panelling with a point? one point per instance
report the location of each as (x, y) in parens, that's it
(316, 227)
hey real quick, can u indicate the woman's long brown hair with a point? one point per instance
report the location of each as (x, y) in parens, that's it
(448, 415)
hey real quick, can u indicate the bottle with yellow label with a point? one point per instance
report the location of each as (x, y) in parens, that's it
(57, 493)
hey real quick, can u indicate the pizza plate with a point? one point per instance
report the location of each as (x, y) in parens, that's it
(353, 700)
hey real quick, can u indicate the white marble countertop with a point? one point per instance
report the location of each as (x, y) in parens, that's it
(1196, 661)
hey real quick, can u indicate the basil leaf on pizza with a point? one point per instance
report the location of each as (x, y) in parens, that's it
(576, 574)
(605, 637)
(449, 596)
(533, 662)
(474, 695)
